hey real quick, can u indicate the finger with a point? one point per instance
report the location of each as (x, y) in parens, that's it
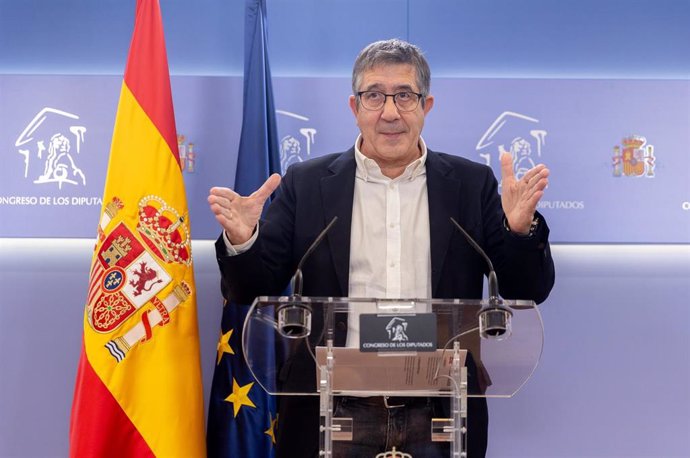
(534, 194)
(534, 200)
(219, 210)
(218, 201)
(535, 173)
(224, 222)
(221, 217)
(507, 166)
(225, 193)
(268, 187)
(537, 183)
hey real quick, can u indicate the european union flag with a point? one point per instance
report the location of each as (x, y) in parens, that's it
(242, 416)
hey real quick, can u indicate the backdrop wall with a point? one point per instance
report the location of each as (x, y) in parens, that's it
(597, 90)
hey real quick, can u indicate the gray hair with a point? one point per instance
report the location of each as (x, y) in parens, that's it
(392, 51)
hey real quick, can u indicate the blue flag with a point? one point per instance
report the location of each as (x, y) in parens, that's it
(242, 416)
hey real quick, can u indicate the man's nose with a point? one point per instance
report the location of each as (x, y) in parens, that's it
(390, 110)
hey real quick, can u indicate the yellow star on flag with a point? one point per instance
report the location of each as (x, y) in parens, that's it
(240, 396)
(224, 345)
(272, 430)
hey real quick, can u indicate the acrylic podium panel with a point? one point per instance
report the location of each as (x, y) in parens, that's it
(409, 348)
(504, 364)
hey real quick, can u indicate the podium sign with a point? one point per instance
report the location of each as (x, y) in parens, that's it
(401, 332)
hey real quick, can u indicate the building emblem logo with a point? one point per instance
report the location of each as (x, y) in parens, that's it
(291, 145)
(514, 133)
(634, 158)
(396, 329)
(50, 145)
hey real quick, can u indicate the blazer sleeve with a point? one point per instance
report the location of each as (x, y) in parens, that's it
(524, 266)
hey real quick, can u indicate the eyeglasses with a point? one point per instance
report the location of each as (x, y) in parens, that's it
(375, 100)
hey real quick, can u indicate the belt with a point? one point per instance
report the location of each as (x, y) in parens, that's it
(389, 402)
(392, 402)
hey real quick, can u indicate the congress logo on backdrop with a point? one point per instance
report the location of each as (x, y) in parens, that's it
(633, 158)
(46, 163)
(50, 146)
(520, 135)
(291, 145)
(524, 138)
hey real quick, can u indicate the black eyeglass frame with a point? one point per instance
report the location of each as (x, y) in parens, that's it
(420, 97)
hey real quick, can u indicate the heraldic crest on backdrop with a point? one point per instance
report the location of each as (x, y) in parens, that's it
(130, 271)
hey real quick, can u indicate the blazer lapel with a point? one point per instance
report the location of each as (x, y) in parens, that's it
(337, 193)
(443, 190)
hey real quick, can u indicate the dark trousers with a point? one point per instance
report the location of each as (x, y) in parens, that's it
(377, 428)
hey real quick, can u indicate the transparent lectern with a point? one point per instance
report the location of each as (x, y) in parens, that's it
(401, 347)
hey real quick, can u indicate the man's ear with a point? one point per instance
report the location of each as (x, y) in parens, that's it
(428, 104)
(353, 104)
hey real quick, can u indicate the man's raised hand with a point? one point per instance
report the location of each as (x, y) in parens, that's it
(239, 215)
(520, 197)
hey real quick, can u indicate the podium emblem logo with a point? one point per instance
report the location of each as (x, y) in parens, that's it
(396, 329)
(413, 332)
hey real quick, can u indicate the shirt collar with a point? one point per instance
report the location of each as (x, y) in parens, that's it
(368, 169)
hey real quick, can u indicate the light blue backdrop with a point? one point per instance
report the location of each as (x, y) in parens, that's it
(615, 375)
(574, 126)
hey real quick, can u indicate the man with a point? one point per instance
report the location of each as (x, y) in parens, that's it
(394, 198)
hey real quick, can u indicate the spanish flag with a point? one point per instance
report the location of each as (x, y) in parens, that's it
(138, 390)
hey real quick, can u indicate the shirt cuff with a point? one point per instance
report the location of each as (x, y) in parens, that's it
(234, 250)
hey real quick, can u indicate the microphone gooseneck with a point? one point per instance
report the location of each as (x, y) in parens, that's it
(297, 279)
(494, 317)
(294, 316)
(493, 280)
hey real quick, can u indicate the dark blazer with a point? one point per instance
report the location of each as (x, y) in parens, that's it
(313, 192)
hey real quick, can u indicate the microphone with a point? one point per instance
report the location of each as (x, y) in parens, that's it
(297, 278)
(294, 316)
(494, 316)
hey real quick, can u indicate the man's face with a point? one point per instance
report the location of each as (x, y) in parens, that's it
(390, 137)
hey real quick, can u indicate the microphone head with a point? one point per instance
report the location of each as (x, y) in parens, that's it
(294, 318)
(495, 321)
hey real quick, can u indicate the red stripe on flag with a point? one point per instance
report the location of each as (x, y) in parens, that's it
(147, 75)
(95, 286)
(99, 427)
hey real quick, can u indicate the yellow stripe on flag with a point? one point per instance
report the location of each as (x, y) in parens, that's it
(158, 382)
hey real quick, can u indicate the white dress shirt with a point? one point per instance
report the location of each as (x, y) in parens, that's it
(390, 254)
